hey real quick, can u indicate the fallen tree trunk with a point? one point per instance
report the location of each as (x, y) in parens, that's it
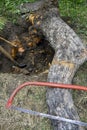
(69, 55)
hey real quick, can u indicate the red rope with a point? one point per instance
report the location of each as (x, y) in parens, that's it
(45, 84)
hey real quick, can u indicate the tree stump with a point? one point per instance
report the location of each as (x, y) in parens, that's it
(70, 53)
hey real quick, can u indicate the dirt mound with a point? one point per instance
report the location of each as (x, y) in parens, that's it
(27, 47)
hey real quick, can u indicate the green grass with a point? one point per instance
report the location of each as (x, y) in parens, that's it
(11, 7)
(77, 12)
(9, 10)
(2, 22)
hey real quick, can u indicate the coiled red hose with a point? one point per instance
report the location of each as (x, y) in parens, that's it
(45, 84)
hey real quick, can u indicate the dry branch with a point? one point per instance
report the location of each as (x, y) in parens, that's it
(10, 43)
(70, 53)
(3, 51)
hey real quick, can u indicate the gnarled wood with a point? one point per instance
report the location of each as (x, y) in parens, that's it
(38, 5)
(69, 55)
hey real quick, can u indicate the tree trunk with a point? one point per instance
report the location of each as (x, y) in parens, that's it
(69, 55)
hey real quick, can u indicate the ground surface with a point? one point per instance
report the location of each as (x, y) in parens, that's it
(30, 98)
(38, 59)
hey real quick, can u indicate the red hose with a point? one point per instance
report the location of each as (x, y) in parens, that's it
(48, 84)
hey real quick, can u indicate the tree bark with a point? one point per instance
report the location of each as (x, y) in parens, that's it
(70, 53)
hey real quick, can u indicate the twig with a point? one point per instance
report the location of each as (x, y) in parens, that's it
(8, 55)
(10, 43)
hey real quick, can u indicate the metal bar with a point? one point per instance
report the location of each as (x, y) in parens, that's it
(49, 116)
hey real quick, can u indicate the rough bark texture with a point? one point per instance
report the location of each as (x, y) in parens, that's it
(69, 55)
(29, 7)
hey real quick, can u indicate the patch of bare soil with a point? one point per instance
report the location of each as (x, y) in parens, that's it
(32, 53)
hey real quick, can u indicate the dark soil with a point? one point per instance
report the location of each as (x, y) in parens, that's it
(35, 58)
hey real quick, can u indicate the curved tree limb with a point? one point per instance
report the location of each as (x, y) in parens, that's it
(70, 53)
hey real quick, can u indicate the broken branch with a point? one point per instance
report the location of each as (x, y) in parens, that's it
(8, 55)
(10, 43)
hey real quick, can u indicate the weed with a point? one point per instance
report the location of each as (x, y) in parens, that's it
(2, 22)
